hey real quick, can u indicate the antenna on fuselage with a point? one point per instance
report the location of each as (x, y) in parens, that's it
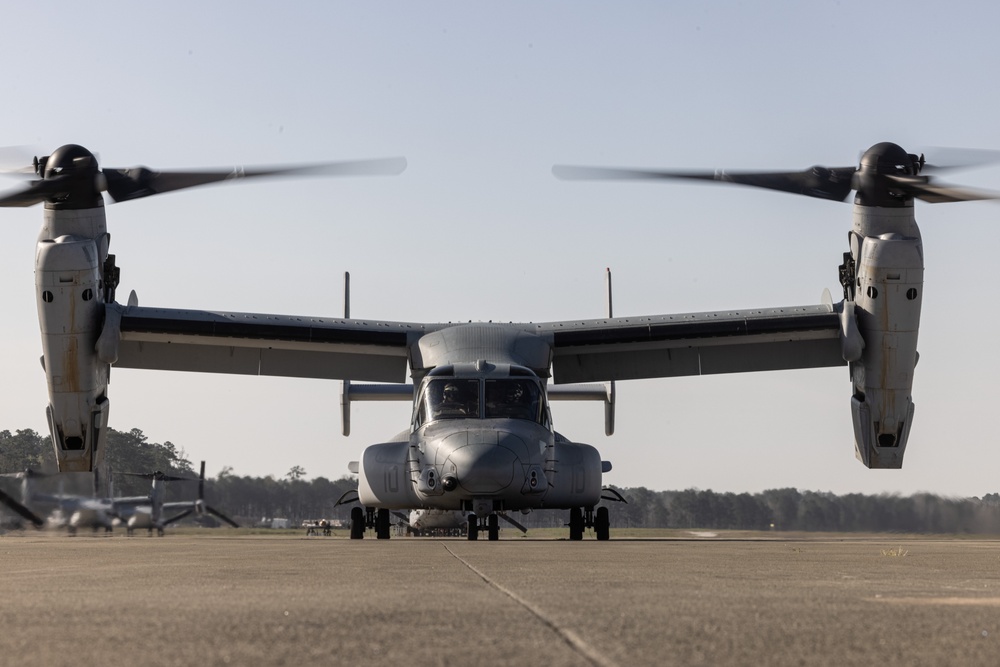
(347, 295)
(607, 282)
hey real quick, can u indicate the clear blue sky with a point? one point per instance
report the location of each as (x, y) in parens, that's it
(482, 99)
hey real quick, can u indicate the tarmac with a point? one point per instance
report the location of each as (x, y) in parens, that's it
(223, 598)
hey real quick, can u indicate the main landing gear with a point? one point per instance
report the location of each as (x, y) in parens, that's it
(369, 517)
(585, 517)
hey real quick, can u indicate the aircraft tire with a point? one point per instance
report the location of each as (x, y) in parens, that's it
(473, 527)
(357, 523)
(576, 524)
(382, 524)
(493, 527)
(602, 524)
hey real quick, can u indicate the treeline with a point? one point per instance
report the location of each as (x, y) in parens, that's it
(793, 510)
(248, 500)
(251, 500)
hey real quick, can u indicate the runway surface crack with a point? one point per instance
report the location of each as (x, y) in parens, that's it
(571, 639)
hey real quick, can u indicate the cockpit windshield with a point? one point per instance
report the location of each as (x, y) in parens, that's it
(451, 399)
(509, 398)
(515, 399)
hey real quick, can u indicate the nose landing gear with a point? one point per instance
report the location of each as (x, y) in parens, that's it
(369, 517)
(489, 523)
(585, 517)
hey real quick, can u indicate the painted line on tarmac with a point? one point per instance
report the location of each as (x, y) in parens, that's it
(568, 636)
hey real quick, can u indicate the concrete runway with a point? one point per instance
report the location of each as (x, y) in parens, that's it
(224, 599)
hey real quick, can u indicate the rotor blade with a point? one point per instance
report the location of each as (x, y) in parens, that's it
(37, 192)
(513, 523)
(159, 476)
(29, 473)
(922, 189)
(20, 509)
(138, 182)
(820, 182)
(175, 478)
(945, 159)
(178, 517)
(16, 160)
(222, 516)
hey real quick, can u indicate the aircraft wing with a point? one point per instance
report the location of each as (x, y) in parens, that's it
(622, 348)
(257, 344)
(629, 348)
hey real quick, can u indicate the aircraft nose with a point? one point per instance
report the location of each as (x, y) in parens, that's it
(484, 468)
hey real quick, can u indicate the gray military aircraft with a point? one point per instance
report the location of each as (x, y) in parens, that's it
(148, 512)
(481, 438)
(76, 512)
(70, 511)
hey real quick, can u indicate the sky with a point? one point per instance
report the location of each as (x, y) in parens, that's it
(482, 99)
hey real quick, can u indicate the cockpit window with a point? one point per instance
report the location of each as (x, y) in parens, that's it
(514, 399)
(507, 398)
(450, 399)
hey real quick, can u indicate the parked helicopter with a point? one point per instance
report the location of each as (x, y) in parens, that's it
(492, 448)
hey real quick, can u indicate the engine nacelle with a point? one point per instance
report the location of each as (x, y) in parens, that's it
(890, 277)
(576, 476)
(384, 477)
(70, 315)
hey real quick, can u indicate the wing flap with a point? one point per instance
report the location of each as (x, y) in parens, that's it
(255, 344)
(695, 344)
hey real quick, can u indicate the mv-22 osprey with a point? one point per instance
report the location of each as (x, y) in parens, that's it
(481, 438)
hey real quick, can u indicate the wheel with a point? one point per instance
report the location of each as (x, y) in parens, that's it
(382, 526)
(473, 527)
(357, 523)
(602, 524)
(576, 524)
(493, 527)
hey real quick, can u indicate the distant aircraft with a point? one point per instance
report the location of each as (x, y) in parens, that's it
(138, 512)
(75, 512)
(481, 438)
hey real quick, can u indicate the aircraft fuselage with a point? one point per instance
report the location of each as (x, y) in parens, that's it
(481, 441)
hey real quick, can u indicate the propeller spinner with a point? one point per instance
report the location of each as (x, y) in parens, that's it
(71, 178)
(887, 176)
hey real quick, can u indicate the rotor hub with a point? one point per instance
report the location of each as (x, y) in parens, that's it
(70, 158)
(875, 179)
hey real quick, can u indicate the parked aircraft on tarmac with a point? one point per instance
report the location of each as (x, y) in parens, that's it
(138, 512)
(481, 438)
(76, 512)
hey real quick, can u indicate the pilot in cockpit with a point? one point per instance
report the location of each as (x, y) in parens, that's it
(451, 401)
